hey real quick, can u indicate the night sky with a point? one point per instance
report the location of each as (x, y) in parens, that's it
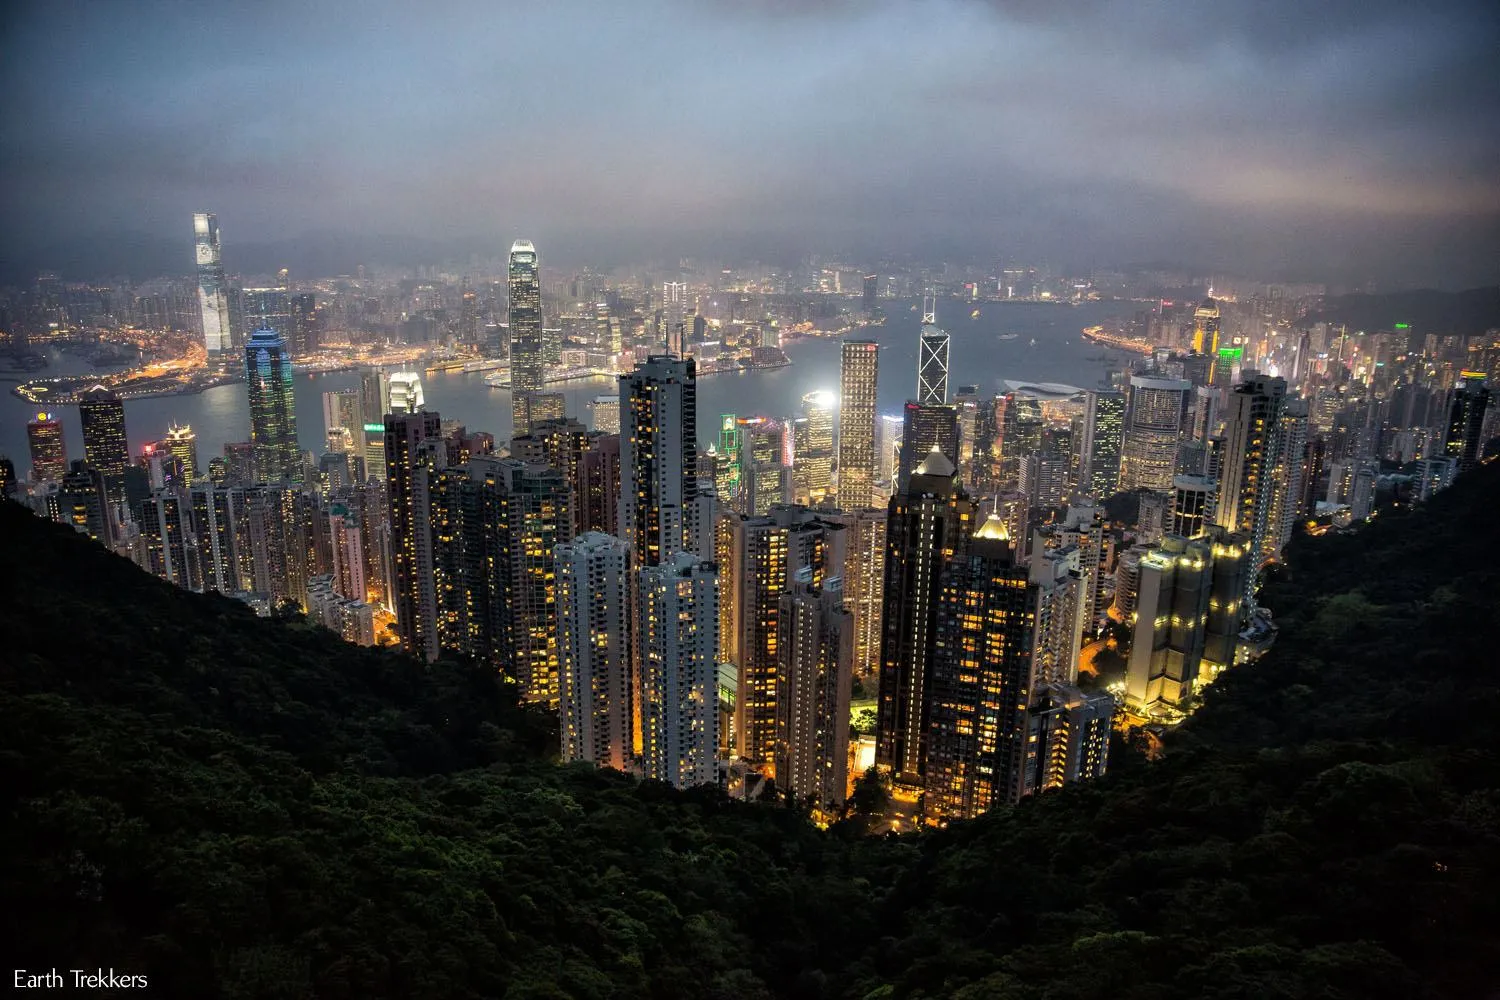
(1333, 140)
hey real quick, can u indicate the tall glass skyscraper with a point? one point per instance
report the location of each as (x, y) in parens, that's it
(213, 293)
(104, 446)
(526, 358)
(932, 367)
(49, 453)
(273, 410)
(859, 368)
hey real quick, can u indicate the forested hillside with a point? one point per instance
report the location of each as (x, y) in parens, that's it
(241, 808)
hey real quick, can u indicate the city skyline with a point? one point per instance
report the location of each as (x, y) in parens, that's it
(1190, 152)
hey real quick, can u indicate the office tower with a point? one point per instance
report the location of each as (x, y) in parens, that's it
(972, 707)
(766, 554)
(343, 410)
(1021, 434)
(49, 455)
(302, 313)
(84, 503)
(815, 653)
(414, 453)
(1153, 425)
(1192, 506)
(1463, 437)
(870, 291)
(676, 637)
(1171, 617)
(1289, 482)
(213, 292)
(1044, 480)
(1103, 432)
(374, 396)
(166, 546)
(104, 445)
(599, 486)
(924, 428)
(864, 583)
(765, 475)
(527, 361)
(674, 312)
(1247, 480)
(932, 367)
(182, 444)
(659, 455)
(888, 433)
(812, 464)
(273, 408)
(221, 527)
(594, 650)
(929, 524)
(1206, 330)
(404, 393)
(859, 371)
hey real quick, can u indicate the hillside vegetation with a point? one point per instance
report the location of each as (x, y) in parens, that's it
(236, 807)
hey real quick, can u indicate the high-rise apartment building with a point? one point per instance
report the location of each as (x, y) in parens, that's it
(273, 408)
(49, 454)
(593, 616)
(1099, 451)
(527, 358)
(677, 652)
(929, 525)
(658, 456)
(84, 503)
(166, 546)
(864, 584)
(1153, 426)
(598, 491)
(213, 290)
(859, 371)
(1193, 506)
(815, 653)
(1463, 436)
(221, 523)
(105, 448)
(414, 454)
(1248, 480)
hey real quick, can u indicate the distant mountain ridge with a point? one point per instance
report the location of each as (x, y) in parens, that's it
(1426, 310)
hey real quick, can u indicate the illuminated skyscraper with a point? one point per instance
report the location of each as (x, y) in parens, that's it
(527, 361)
(49, 453)
(815, 651)
(166, 546)
(812, 438)
(213, 291)
(84, 503)
(864, 584)
(1247, 480)
(404, 393)
(674, 313)
(414, 453)
(658, 456)
(932, 366)
(859, 369)
(930, 524)
(1206, 329)
(1148, 454)
(102, 414)
(871, 290)
(925, 426)
(765, 476)
(1103, 433)
(1462, 438)
(221, 524)
(1171, 617)
(273, 408)
(676, 636)
(182, 444)
(343, 410)
(593, 615)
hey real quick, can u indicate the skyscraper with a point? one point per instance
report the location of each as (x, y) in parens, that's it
(343, 410)
(659, 455)
(182, 444)
(932, 366)
(404, 393)
(674, 313)
(1247, 480)
(930, 522)
(273, 408)
(104, 445)
(864, 583)
(84, 503)
(1103, 433)
(812, 437)
(213, 292)
(765, 478)
(527, 362)
(815, 651)
(925, 426)
(414, 453)
(593, 615)
(1171, 617)
(871, 290)
(677, 638)
(859, 370)
(49, 453)
(1206, 331)
(1148, 454)
(1462, 437)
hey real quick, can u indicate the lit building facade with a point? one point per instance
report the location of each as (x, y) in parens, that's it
(676, 636)
(105, 448)
(593, 615)
(1103, 437)
(859, 371)
(527, 358)
(213, 290)
(273, 408)
(49, 452)
(1148, 454)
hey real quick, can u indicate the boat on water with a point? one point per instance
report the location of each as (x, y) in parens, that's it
(974, 314)
(1033, 342)
(1009, 336)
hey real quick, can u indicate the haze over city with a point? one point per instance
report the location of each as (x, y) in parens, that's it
(1342, 142)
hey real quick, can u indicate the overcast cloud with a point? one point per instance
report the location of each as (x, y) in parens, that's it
(1335, 139)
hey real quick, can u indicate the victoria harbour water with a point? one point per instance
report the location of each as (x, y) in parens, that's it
(979, 356)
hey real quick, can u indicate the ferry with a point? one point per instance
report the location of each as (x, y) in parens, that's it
(1010, 336)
